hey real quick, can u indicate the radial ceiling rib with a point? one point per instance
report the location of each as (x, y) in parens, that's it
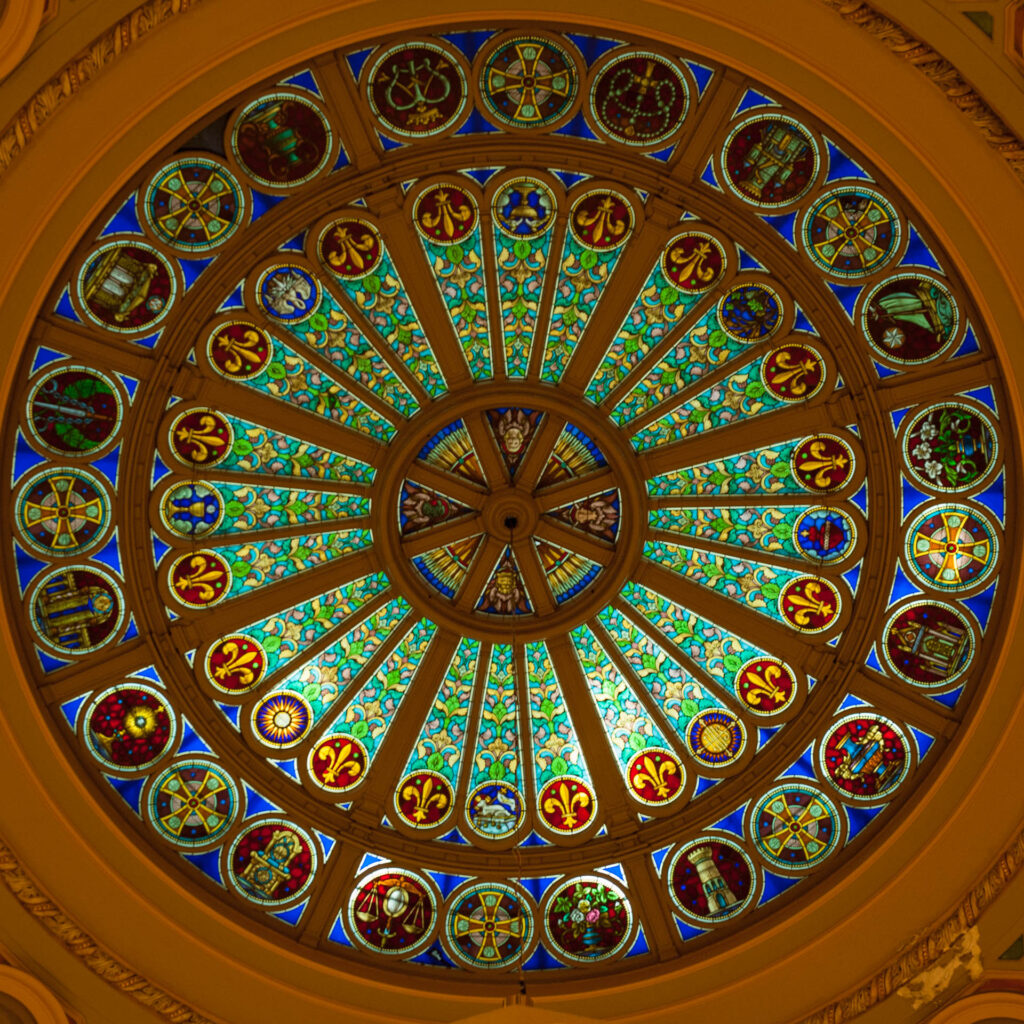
(547, 294)
(774, 637)
(495, 470)
(235, 614)
(615, 806)
(531, 467)
(96, 669)
(559, 494)
(358, 139)
(422, 541)
(715, 547)
(338, 872)
(574, 540)
(79, 342)
(232, 399)
(775, 427)
(411, 262)
(318, 485)
(911, 706)
(380, 780)
(449, 484)
(332, 371)
(716, 107)
(974, 371)
(533, 577)
(479, 573)
(642, 250)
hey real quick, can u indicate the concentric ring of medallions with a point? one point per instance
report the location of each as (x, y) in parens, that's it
(748, 565)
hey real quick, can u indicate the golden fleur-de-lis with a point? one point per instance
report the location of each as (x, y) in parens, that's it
(448, 215)
(565, 803)
(603, 220)
(204, 573)
(237, 663)
(424, 796)
(201, 438)
(794, 373)
(824, 464)
(350, 248)
(694, 264)
(240, 349)
(810, 602)
(342, 761)
(656, 775)
(764, 685)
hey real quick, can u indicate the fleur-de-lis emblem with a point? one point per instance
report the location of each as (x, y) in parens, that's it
(205, 571)
(822, 464)
(202, 439)
(812, 601)
(344, 763)
(423, 794)
(248, 347)
(656, 775)
(606, 226)
(793, 373)
(764, 685)
(452, 218)
(238, 663)
(350, 248)
(692, 265)
(565, 803)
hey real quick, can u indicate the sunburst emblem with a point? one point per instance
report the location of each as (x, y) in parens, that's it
(282, 719)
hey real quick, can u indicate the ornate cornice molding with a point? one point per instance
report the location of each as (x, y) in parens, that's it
(926, 949)
(79, 71)
(75, 940)
(941, 73)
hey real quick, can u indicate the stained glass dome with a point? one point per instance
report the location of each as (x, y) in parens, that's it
(508, 501)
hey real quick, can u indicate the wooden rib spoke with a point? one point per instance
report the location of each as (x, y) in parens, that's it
(761, 432)
(533, 577)
(242, 611)
(79, 342)
(486, 448)
(448, 484)
(438, 536)
(575, 489)
(574, 540)
(260, 534)
(479, 573)
(529, 471)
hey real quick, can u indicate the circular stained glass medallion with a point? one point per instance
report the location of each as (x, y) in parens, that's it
(770, 159)
(711, 880)
(588, 919)
(865, 756)
(951, 446)
(129, 727)
(929, 643)
(193, 803)
(529, 81)
(639, 98)
(417, 89)
(492, 508)
(194, 204)
(851, 231)
(489, 925)
(126, 286)
(63, 511)
(910, 318)
(795, 827)
(951, 547)
(77, 609)
(281, 140)
(392, 911)
(74, 411)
